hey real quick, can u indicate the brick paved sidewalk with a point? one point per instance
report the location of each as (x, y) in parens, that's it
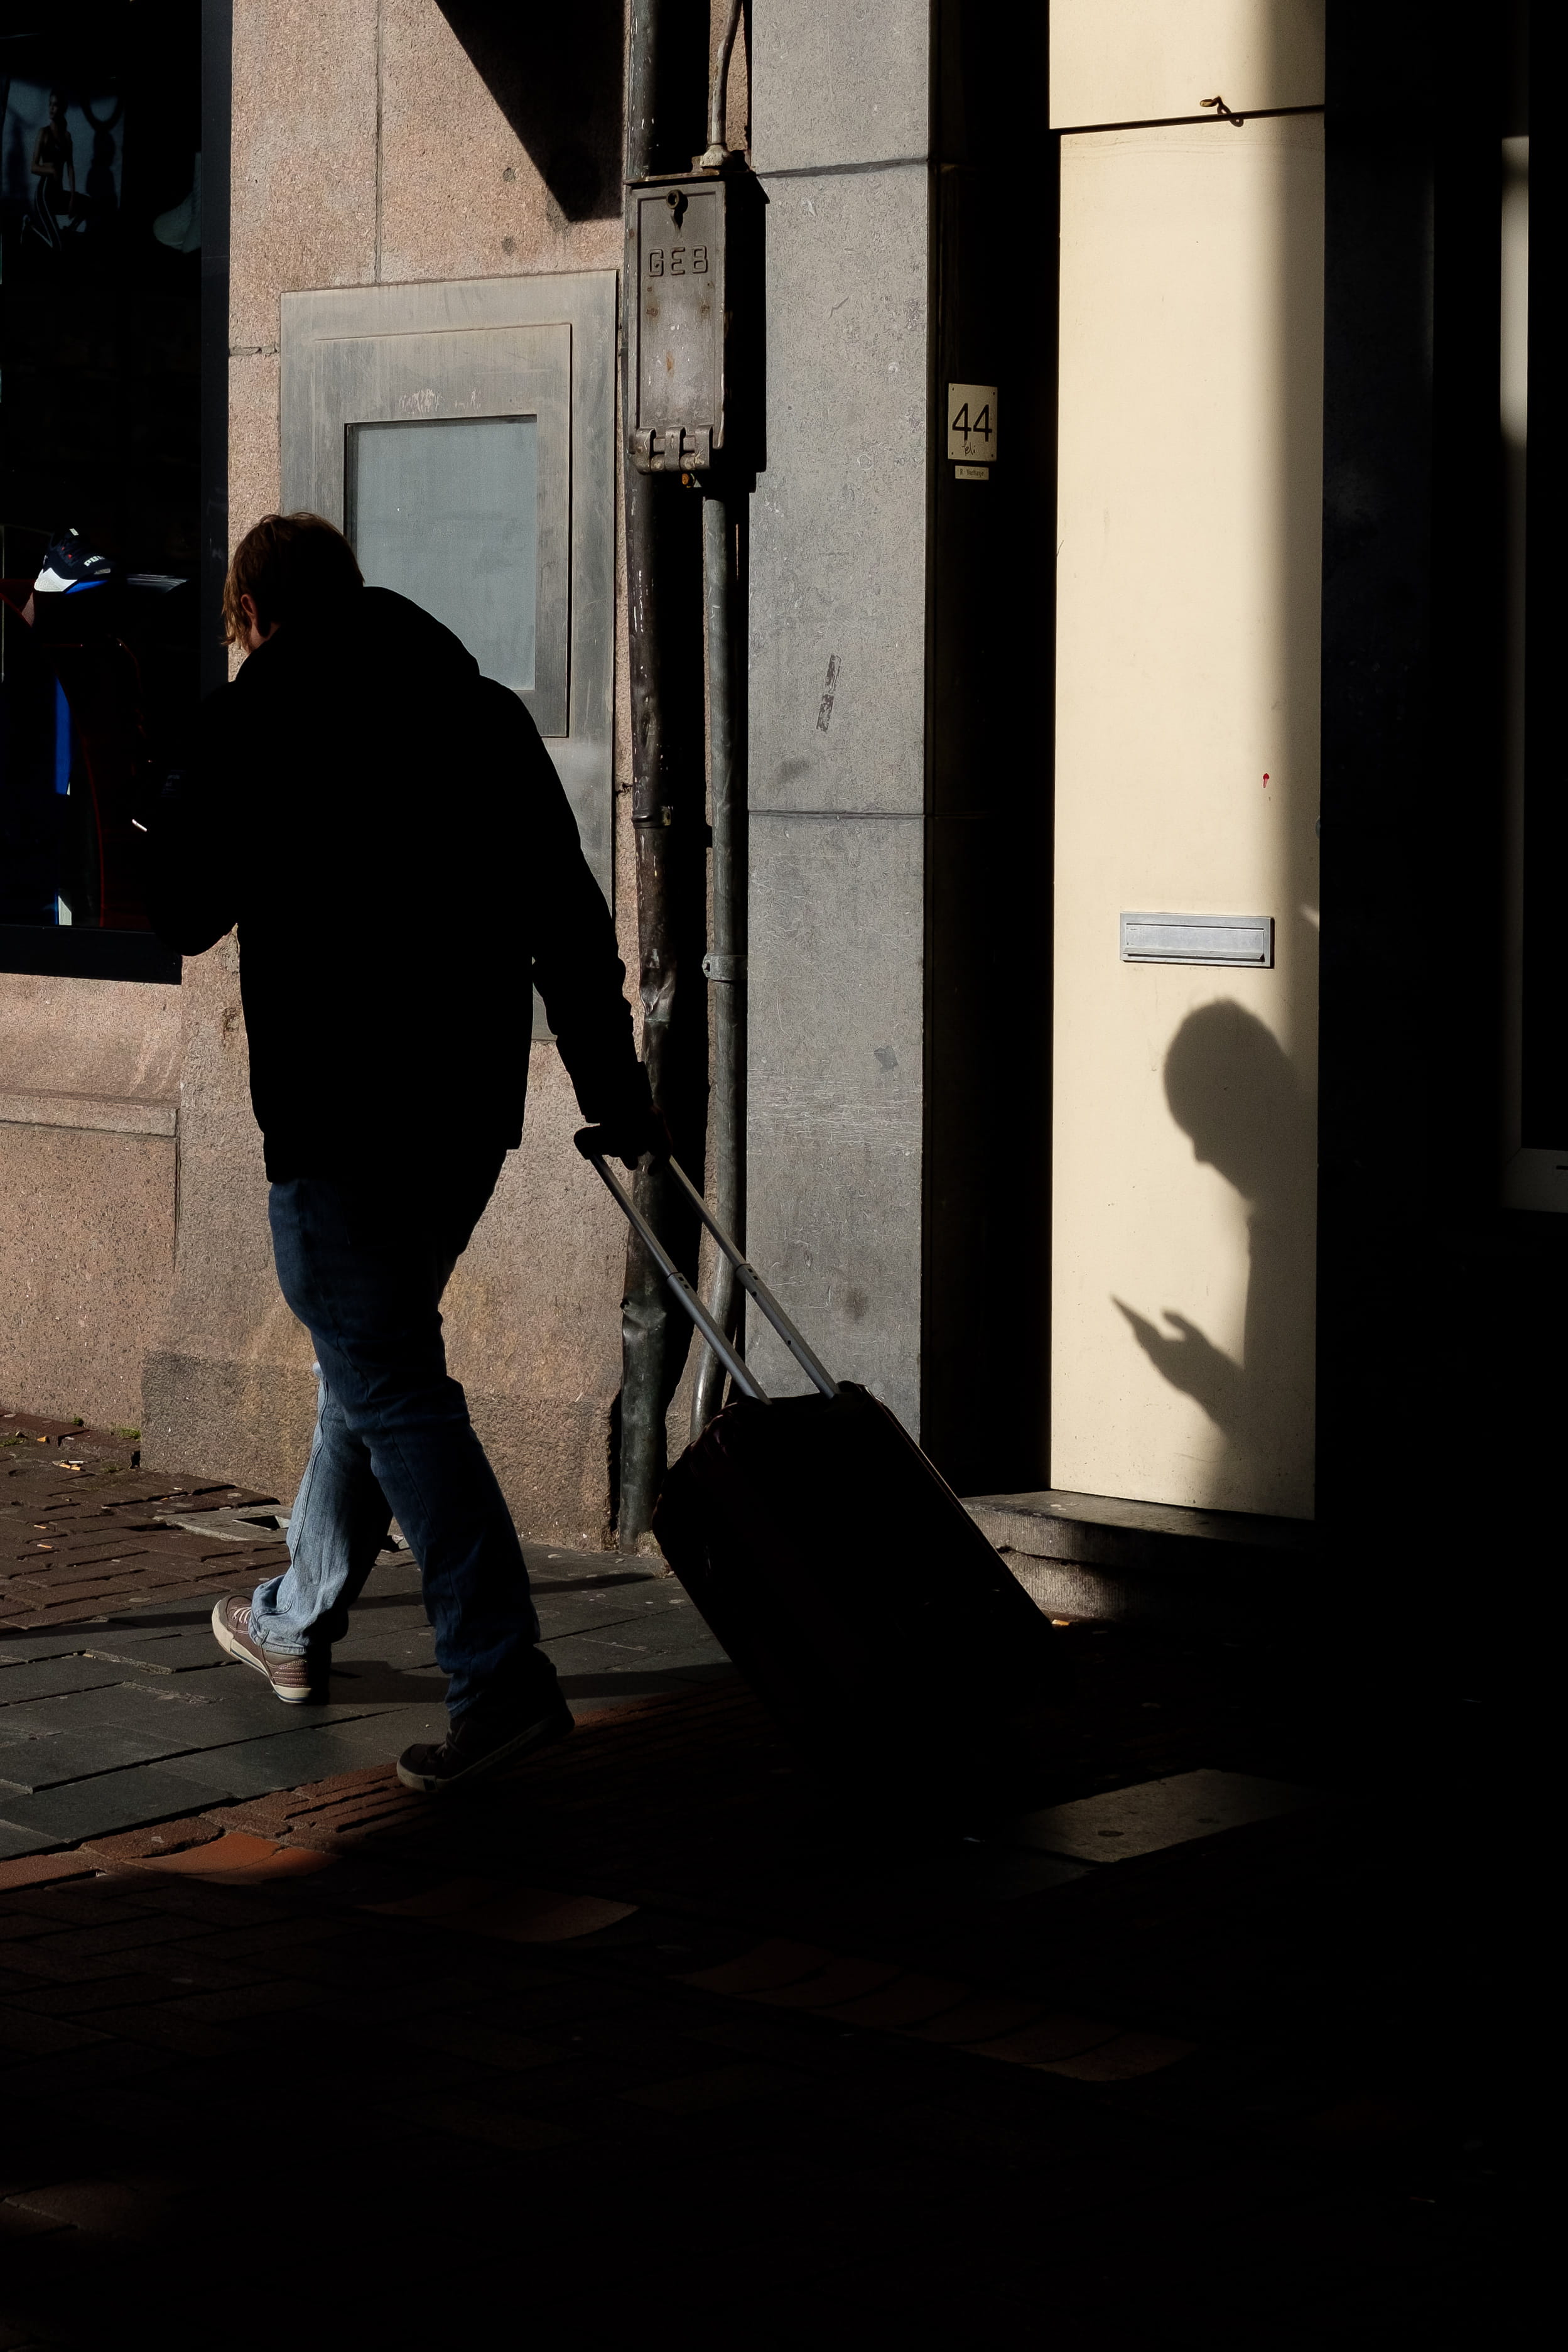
(664, 2032)
(84, 1530)
(117, 1708)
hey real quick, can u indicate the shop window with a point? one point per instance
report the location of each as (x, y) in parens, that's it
(107, 246)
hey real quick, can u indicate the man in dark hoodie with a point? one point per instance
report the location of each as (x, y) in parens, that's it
(388, 832)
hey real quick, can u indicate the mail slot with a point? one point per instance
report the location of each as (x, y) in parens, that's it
(1199, 938)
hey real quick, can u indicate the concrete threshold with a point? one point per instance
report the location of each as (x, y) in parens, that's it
(1108, 1558)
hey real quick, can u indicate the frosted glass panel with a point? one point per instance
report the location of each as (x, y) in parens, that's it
(447, 512)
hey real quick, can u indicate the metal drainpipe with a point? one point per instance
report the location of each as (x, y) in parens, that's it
(644, 1312)
(725, 963)
(653, 1341)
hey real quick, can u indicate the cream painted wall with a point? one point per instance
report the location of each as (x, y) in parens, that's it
(1138, 60)
(1188, 577)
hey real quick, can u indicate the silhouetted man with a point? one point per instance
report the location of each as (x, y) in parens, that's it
(388, 832)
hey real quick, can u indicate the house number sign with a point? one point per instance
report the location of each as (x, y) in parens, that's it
(972, 429)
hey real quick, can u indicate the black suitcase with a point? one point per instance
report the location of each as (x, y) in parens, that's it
(844, 1576)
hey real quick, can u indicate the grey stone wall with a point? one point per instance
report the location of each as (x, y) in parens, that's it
(841, 111)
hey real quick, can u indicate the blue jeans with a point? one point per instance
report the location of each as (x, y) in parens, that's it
(363, 1263)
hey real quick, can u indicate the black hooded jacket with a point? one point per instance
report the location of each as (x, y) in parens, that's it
(388, 832)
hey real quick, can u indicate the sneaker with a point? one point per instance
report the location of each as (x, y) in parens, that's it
(68, 564)
(289, 1677)
(471, 1748)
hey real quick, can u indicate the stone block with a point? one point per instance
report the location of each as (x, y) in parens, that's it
(442, 125)
(244, 1415)
(835, 1087)
(303, 186)
(254, 469)
(87, 1231)
(228, 1382)
(838, 587)
(109, 1037)
(836, 85)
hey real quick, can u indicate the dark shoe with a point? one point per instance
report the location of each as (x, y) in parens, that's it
(289, 1677)
(473, 1747)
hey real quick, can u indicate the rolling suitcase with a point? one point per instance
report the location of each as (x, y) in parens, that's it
(844, 1576)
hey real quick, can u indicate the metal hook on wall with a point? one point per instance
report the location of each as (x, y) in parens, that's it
(1222, 112)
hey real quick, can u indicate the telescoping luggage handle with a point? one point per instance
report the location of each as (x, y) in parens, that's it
(746, 1274)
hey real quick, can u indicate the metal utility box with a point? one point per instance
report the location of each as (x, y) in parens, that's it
(692, 253)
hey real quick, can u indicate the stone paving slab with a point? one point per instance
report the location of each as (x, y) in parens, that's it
(183, 1648)
(590, 1613)
(52, 1678)
(123, 1676)
(201, 1708)
(19, 1647)
(108, 1800)
(49, 1742)
(1123, 1823)
(591, 1691)
(285, 1757)
(979, 1874)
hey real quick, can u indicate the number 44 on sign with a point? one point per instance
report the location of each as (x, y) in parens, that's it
(972, 429)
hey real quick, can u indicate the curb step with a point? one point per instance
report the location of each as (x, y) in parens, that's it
(1103, 1557)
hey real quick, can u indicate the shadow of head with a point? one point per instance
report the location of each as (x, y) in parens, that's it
(1231, 1087)
(557, 79)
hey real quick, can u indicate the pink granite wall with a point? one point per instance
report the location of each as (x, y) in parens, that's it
(368, 150)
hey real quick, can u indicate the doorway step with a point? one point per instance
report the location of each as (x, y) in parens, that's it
(1101, 1557)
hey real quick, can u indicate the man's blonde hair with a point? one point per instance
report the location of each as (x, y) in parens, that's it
(286, 563)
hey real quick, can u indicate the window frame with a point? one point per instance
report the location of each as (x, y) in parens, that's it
(490, 347)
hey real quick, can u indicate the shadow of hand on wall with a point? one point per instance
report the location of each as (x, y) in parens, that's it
(1191, 1362)
(1231, 1087)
